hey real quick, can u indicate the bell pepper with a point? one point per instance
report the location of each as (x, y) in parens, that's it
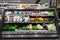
(36, 18)
(32, 19)
(41, 19)
(46, 19)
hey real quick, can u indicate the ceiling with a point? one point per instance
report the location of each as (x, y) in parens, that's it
(24, 1)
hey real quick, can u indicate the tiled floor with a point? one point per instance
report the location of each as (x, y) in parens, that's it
(31, 39)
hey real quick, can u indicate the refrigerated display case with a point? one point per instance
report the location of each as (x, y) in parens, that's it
(29, 23)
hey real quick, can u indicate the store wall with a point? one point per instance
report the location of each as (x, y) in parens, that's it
(58, 4)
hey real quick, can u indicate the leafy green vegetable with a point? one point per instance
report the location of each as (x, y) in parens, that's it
(9, 27)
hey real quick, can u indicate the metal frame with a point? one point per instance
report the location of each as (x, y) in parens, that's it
(1, 22)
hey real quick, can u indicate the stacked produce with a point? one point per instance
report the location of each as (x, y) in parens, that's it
(10, 27)
(29, 20)
(28, 16)
(28, 6)
(40, 19)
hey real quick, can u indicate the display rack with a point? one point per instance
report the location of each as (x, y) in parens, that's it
(28, 33)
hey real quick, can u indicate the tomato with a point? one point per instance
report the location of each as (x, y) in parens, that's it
(36, 18)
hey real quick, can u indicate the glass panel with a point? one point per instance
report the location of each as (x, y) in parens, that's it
(29, 20)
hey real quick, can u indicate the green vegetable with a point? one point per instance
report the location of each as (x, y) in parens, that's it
(20, 28)
(51, 13)
(9, 27)
(35, 28)
(25, 28)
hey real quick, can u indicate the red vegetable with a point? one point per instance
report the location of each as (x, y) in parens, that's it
(46, 18)
(36, 18)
